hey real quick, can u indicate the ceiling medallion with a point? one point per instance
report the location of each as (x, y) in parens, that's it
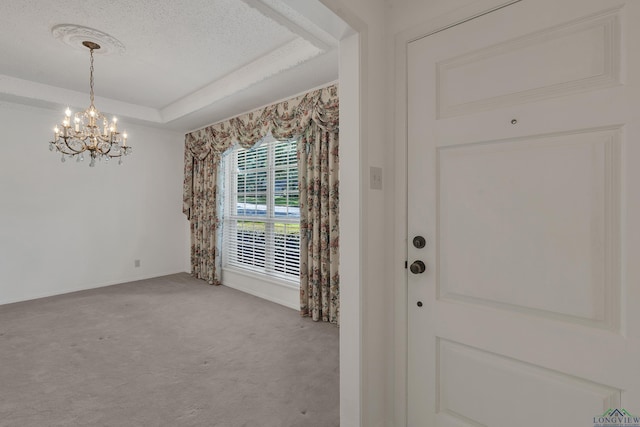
(75, 36)
(90, 130)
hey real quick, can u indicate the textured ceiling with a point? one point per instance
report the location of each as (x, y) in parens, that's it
(187, 63)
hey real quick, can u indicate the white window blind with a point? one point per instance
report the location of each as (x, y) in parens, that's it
(261, 229)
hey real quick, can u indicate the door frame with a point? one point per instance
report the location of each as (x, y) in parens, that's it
(401, 232)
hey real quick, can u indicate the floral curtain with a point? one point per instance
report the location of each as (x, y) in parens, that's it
(313, 119)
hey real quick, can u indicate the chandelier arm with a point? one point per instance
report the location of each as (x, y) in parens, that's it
(101, 151)
(60, 150)
(84, 146)
(108, 151)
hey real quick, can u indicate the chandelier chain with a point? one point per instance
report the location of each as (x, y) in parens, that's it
(91, 76)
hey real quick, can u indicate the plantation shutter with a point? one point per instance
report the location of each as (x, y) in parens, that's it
(262, 221)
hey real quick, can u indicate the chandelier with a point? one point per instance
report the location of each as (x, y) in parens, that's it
(89, 131)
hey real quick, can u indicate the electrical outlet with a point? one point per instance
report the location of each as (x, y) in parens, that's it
(375, 178)
(136, 263)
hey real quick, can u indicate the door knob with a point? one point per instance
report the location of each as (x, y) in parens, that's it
(419, 242)
(418, 267)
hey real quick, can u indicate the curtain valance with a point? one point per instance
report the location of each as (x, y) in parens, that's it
(284, 120)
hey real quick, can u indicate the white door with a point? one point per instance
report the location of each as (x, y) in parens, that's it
(524, 179)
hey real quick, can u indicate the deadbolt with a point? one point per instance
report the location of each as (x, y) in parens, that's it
(418, 267)
(419, 242)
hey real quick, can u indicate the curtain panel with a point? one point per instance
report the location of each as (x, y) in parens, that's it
(313, 119)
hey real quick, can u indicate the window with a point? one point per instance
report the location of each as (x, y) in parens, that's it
(261, 226)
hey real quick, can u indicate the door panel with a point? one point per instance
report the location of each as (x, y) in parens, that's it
(577, 55)
(464, 372)
(492, 198)
(522, 155)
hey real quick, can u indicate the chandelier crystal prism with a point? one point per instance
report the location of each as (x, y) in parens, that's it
(89, 131)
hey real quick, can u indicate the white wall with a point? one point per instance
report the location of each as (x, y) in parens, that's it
(66, 226)
(366, 296)
(350, 234)
(414, 13)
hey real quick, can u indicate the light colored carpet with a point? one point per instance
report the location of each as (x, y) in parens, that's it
(171, 351)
